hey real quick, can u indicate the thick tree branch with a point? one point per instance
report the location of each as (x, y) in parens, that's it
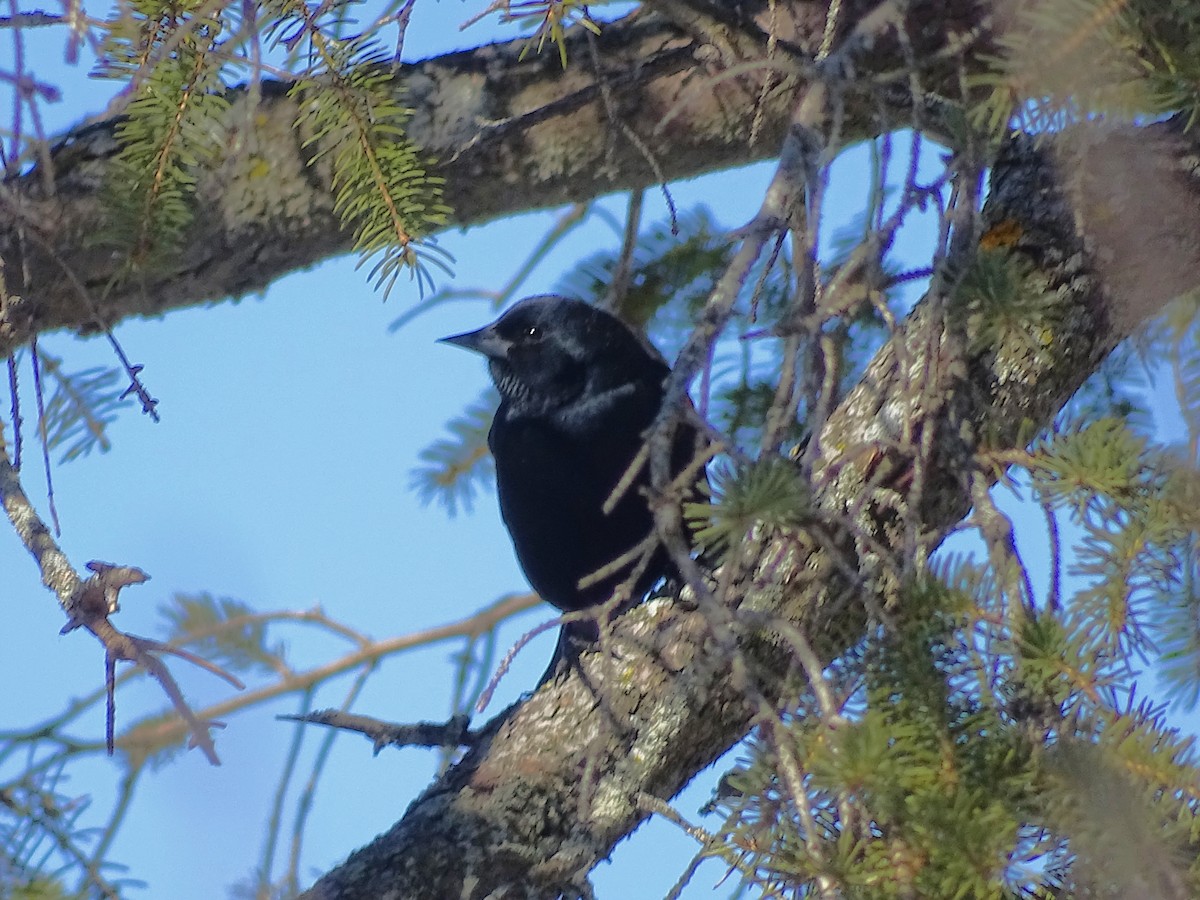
(507, 135)
(555, 782)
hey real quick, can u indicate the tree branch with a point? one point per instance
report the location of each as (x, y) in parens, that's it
(89, 604)
(518, 817)
(508, 134)
(452, 733)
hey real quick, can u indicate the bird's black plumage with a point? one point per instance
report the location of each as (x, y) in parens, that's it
(578, 390)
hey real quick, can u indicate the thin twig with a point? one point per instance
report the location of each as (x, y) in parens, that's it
(57, 573)
(43, 439)
(618, 121)
(159, 732)
(485, 696)
(454, 732)
(89, 604)
(618, 286)
(304, 803)
(275, 819)
(651, 804)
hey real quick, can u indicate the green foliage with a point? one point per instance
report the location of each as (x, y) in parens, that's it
(175, 123)
(767, 494)
(457, 466)
(922, 794)
(1062, 62)
(1095, 471)
(1178, 632)
(1165, 36)
(43, 841)
(995, 305)
(1138, 511)
(81, 407)
(986, 741)
(989, 748)
(551, 17)
(353, 123)
(210, 626)
(672, 272)
(172, 125)
(1123, 788)
(963, 776)
(38, 889)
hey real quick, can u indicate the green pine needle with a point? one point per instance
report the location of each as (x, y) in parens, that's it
(171, 130)
(81, 407)
(382, 191)
(458, 466)
(203, 622)
(769, 494)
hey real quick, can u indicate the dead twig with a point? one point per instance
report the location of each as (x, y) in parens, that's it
(454, 732)
(89, 604)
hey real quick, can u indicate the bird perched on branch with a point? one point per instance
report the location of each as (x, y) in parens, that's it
(578, 391)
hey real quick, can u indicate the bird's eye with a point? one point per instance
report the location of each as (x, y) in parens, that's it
(533, 333)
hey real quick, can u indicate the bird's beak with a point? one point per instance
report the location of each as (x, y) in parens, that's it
(485, 341)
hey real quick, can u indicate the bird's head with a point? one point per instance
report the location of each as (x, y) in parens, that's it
(546, 351)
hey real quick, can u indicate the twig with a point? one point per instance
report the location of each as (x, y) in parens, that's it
(783, 198)
(574, 216)
(618, 121)
(120, 809)
(452, 733)
(304, 803)
(157, 731)
(88, 604)
(485, 696)
(57, 572)
(32, 19)
(275, 819)
(996, 529)
(15, 404)
(43, 438)
(794, 777)
(1054, 599)
(43, 814)
(651, 804)
(618, 286)
(11, 202)
(121, 646)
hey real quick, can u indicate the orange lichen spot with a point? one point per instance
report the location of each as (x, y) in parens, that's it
(1002, 235)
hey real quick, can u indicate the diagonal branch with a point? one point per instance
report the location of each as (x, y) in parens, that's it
(553, 783)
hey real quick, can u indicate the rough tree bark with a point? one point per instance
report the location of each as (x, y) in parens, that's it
(507, 134)
(562, 777)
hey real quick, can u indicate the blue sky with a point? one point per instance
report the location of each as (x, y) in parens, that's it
(279, 476)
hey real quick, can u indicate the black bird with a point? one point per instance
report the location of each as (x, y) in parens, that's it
(578, 390)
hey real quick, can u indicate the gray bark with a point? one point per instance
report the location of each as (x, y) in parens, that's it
(1109, 234)
(561, 778)
(507, 135)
